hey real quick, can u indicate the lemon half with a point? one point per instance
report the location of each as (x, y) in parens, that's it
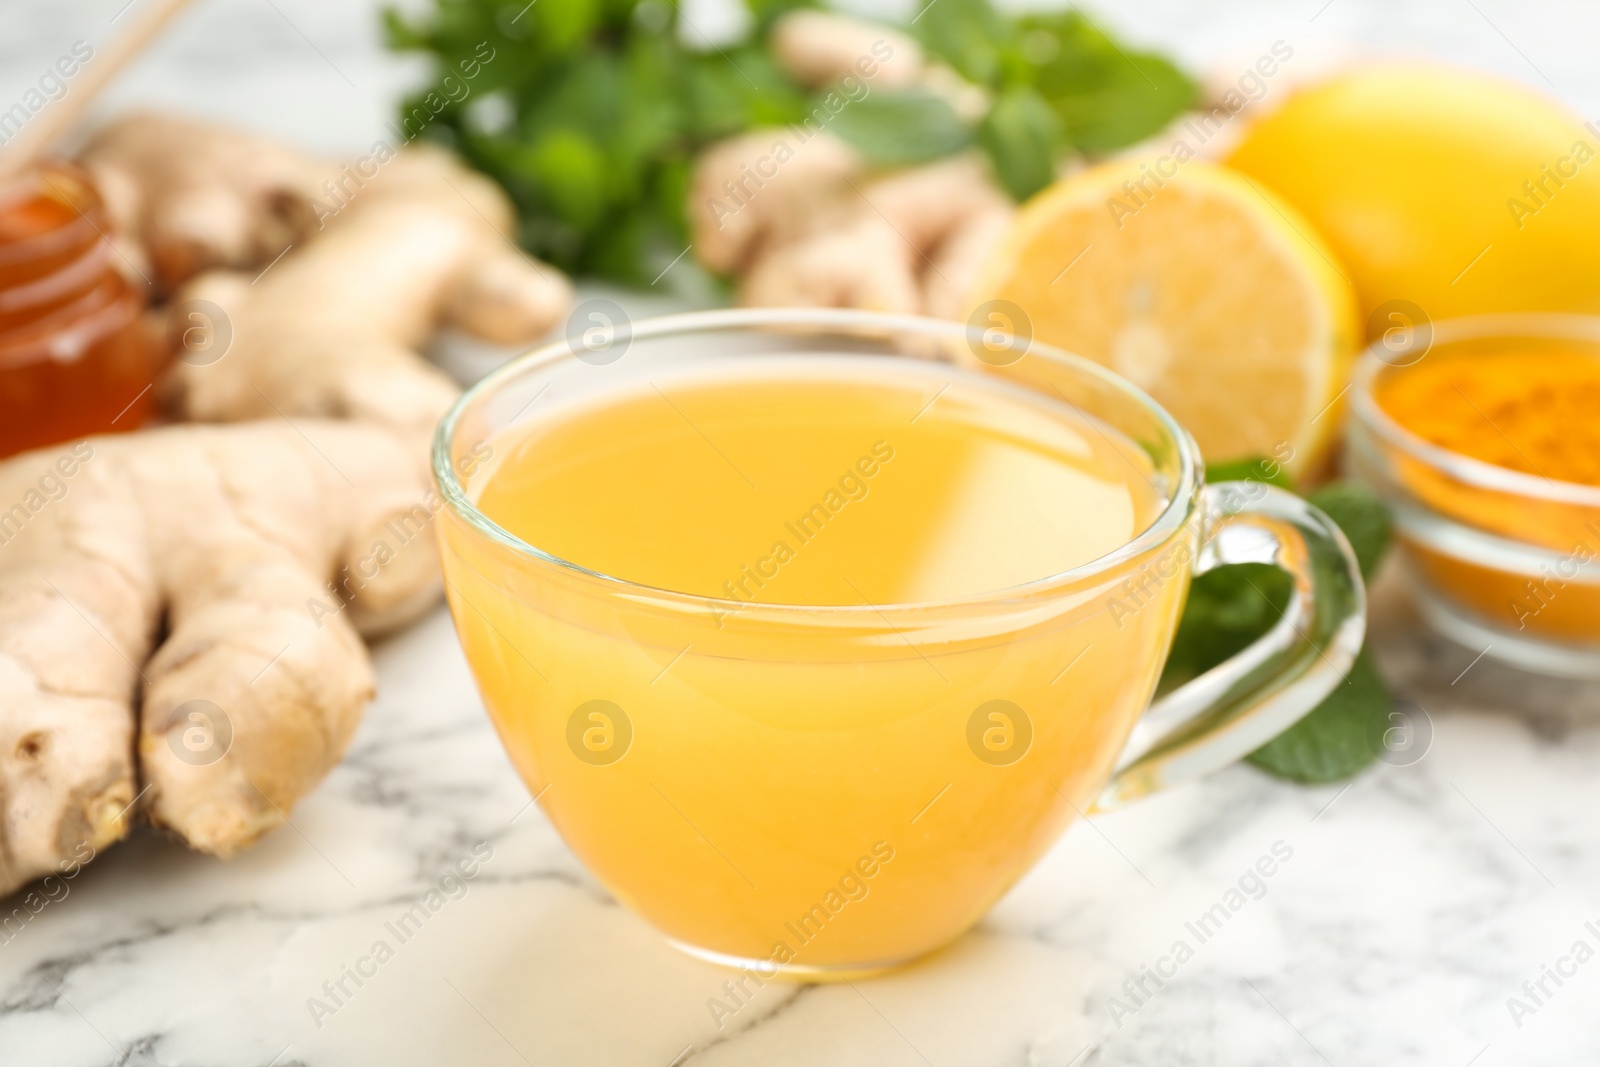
(1200, 287)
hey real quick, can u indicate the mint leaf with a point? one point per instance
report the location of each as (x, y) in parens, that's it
(1107, 95)
(1022, 135)
(1335, 740)
(1103, 94)
(610, 101)
(1230, 607)
(1258, 469)
(1362, 517)
(967, 34)
(901, 129)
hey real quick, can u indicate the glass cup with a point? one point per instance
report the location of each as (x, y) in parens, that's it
(822, 792)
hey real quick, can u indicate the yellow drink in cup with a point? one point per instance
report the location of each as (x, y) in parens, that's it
(809, 650)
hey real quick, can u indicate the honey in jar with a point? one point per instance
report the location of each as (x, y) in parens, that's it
(76, 354)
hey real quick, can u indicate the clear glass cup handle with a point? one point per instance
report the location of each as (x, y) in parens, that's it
(1241, 704)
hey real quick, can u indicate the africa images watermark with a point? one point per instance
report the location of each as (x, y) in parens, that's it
(403, 529)
(1536, 992)
(52, 889)
(1554, 577)
(851, 887)
(451, 886)
(1250, 88)
(51, 486)
(353, 177)
(1139, 989)
(853, 485)
(51, 86)
(1553, 178)
(1143, 588)
(754, 177)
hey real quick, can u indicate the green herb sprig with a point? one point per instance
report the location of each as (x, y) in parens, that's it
(592, 111)
(1059, 83)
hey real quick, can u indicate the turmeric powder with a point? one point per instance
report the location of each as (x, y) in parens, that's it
(1537, 412)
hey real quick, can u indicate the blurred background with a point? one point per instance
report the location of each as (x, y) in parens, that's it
(317, 73)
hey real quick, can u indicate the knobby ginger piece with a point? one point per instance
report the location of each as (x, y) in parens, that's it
(185, 571)
(763, 187)
(819, 232)
(333, 329)
(818, 48)
(950, 281)
(194, 196)
(795, 216)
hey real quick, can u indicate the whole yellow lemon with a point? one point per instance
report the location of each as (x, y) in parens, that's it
(1455, 191)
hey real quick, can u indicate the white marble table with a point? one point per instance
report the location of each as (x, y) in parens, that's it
(1416, 900)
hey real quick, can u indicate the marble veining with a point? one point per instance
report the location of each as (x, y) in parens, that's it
(1413, 904)
(1400, 915)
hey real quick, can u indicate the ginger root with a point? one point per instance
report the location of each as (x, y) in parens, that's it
(219, 579)
(181, 610)
(816, 230)
(799, 219)
(735, 209)
(379, 254)
(818, 48)
(333, 329)
(186, 571)
(193, 196)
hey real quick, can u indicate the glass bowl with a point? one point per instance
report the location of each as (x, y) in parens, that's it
(1502, 561)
